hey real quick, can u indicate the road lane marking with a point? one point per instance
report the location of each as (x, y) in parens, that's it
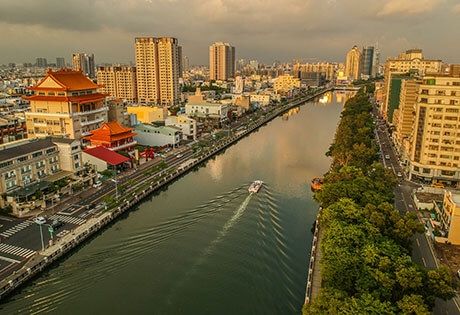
(418, 242)
(424, 262)
(16, 250)
(9, 260)
(14, 229)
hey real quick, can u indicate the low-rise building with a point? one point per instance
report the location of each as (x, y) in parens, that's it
(207, 110)
(30, 168)
(157, 136)
(148, 114)
(187, 125)
(261, 99)
(12, 128)
(101, 159)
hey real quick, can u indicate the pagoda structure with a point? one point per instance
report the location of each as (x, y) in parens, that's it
(65, 103)
(113, 136)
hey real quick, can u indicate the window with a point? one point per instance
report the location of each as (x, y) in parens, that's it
(37, 154)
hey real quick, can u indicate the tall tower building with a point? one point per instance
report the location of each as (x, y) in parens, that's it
(221, 61)
(157, 70)
(60, 62)
(85, 63)
(353, 64)
(118, 81)
(41, 62)
(367, 60)
(185, 63)
(180, 60)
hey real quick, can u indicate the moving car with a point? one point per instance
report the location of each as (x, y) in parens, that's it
(399, 174)
(97, 184)
(179, 156)
(387, 157)
(40, 220)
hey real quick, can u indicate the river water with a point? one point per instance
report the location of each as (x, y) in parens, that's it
(205, 245)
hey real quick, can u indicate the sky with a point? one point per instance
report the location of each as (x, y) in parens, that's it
(266, 30)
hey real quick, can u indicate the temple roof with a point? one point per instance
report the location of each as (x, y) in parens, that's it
(107, 155)
(111, 131)
(65, 80)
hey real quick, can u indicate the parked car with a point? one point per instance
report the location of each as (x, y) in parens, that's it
(97, 184)
(40, 220)
(179, 156)
(387, 157)
(399, 174)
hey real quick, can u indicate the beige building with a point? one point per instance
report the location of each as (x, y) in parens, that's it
(353, 64)
(157, 70)
(187, 125)
(411, 61)
(221, 61)
(148, 114)
(327, 68)
(404, 116)
(450, 217)
(28, 167)
(118, 81)
(435, 139)
(285, 83)
(65, 103)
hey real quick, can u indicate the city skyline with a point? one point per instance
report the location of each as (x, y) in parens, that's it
(260, 30)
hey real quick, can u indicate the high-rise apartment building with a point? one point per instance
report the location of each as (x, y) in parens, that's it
(367, 61)
(65, 103)
(157, 70)
(41, 62)
(180, 61)
(404, 116)
(60, 62)
(185, 64)
(435, 140)
(221, 61)
(353, 64)
(118, 81)
(409, 62)
(85, 63)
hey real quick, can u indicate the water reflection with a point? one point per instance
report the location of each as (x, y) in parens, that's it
(203, 244)
(293, 111)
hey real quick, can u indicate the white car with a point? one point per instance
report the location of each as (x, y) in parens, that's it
(387, 157)
(97, 184)
(179, 156)
(40, 220)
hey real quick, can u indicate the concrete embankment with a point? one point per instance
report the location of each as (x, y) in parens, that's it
(75, 238)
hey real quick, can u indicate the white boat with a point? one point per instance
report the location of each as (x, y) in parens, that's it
(255, 186)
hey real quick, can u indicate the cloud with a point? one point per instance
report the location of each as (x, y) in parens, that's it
(408, 7)
(456, 8)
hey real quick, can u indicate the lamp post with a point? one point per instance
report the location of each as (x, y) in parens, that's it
(41, 235)
(116, 187)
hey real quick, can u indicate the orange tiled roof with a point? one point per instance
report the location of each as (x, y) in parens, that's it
(69, 80)
(111, 131)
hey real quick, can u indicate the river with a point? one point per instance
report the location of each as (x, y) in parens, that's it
(205, 245)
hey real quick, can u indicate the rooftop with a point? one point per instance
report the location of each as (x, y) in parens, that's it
(109, 156)
(66, 80)
(23, 148)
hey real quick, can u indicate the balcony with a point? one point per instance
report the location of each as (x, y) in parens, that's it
(123, 146)
(91, 122)
(89, 112)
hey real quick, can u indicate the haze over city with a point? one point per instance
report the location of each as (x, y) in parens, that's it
(266, 30)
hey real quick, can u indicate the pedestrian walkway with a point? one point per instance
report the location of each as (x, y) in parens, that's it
(13, 230)
(16, 250)
(316, 279)
(67, 219)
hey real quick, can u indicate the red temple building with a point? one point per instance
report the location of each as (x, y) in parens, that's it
(113, 136)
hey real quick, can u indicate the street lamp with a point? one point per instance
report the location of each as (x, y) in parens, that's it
(41, 235)
(116, 187)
